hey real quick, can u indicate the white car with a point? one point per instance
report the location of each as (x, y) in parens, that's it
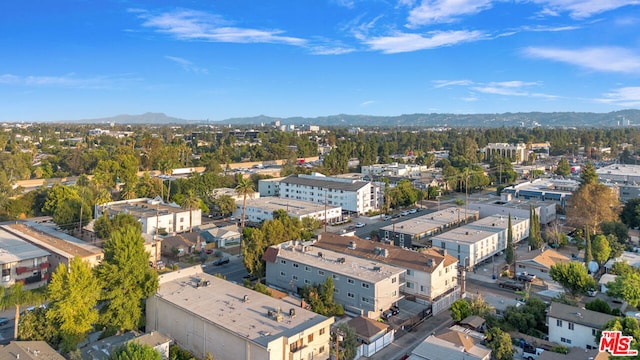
(413, 211)
(592, 292)
(404, 213)
(386, 218)
(359, 225)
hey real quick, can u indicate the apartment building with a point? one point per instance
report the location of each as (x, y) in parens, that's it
(22, 262)
(205, 314)
(394, 169)
(430, 275)
(352, 196)
(262, 209)
(154, 214)
(574, 326)
(514, 152)
(362, 286)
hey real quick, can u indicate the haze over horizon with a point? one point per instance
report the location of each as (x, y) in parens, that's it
(74, 59)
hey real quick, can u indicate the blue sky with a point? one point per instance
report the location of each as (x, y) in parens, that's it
(74, 59)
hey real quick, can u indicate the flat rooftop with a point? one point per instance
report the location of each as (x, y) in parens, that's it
(14, 249)
(354, 267)
(619, 170)
(293, 207)
(464, 235)
(222, 303)
(65, 247)
(143, 208)
(324, 182)
(495, 223)
(427, 222)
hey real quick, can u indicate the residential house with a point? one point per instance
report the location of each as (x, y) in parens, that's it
(206, 314)
(29, 350)
(539, 262)
(155, 216)
(182, 244)
(452, 345)
(430, 275)
(22, 262)
(575, 326)
(362, 286)
(223, 237)
(371, 335)
(103, 349)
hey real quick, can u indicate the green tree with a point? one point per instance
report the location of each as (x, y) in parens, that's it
(127, 277)
(626, 287)
(500, 344)
(244, 189)
(573, 276)
(190, 202)
(460, 309)
(588, 175)
(225, 204)
(56, 195)
(73, 295)
(591, 205)
(67, 214)
(509, 252)
(480, 307)
(598, 305)
(135, 351)
(630, 214)
(347, 346)
(588, 254)
(535, 239)
(34, 326)
(601, 249)
(564, 168)
(320, 298)
(16, 296)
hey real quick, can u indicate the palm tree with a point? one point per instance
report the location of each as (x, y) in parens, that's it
(244, 188)
(190, 202)
(17, 296)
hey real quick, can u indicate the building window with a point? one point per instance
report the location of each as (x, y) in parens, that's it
(294, 277)
(295, 265)
(306, 281)
(306, 268)
(310, 338)
(320, 272)
(351, 281)
(365, 300)
(336, 290)
(321, 333)
(365, 285)
(394, 293)
(321, 350)
(351, 295)
(594, 332)
(283, 261)
(559, 323)
(393, 280)
(409, 272)
(409, 285)
(421, 288)
(335, 277)
(570, 326)
(282, 273)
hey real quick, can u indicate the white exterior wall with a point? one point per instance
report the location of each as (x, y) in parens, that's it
(163, 221)
(356, 201)
(258, 214)
(475, 252)
(269, 187)
(181, 220)
(581, 336)
(200, 336)
(433, 284)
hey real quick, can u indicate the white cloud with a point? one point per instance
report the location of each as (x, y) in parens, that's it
(511, 88)
(197, 25)
(447, 83)
(581, 9)
(405, 42)
(187, 65)
(608, 59)
(626, 96)
(367, 103)
(69, 81)
(445, 11)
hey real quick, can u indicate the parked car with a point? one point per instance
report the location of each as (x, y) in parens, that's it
(360, 225)
(510, 284)
(524, 276)
(3, 321)
(531, 352)
(386, 218)
(592, 292)
(413, 211)
(404, 213)
(395, 216)
(221, 261)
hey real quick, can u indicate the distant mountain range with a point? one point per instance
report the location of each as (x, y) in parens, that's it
(530, 119)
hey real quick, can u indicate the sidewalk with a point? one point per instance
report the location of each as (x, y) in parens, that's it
(409, 341)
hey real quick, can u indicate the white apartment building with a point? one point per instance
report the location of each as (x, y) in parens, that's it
(479, 241)
(154, 214)
(515, 152)
(430, 275)
(394, 169)
(269, 187)
(574, 326)
(262, 209)
(351, 195)
(362, 286)
(234, 195)
(205, 314)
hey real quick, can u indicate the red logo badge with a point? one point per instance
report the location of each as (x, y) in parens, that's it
(617, 344)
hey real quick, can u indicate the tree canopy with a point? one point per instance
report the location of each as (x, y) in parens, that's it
(135, 351)
(591, 205)
(573, 276)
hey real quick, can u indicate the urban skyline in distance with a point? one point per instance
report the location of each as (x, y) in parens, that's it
(73, 59)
